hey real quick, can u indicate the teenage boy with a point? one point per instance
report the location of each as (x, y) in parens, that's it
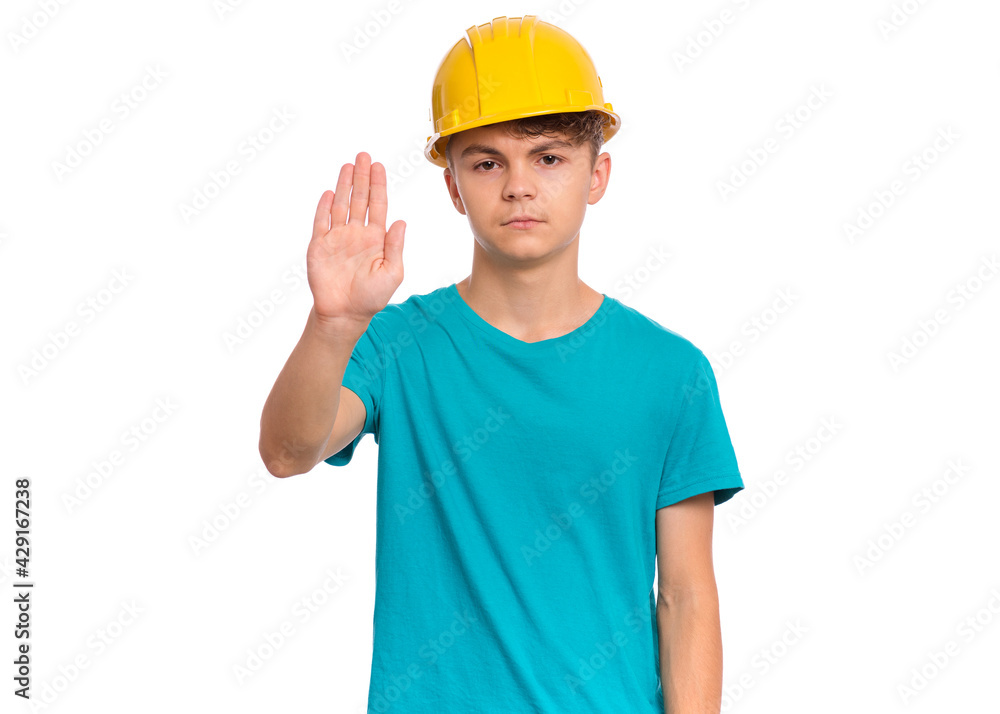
(542, 446)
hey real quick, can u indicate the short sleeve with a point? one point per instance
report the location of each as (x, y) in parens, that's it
(364, 375)
(700, 455)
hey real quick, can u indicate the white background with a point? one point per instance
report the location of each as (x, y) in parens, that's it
(793, 559)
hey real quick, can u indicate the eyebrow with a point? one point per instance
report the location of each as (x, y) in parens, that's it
(541, 148)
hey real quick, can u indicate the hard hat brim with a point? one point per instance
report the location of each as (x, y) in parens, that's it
(434, 150)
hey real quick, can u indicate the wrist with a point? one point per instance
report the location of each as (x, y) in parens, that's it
(337, 328)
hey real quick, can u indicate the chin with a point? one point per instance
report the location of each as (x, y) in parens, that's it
(522, 249)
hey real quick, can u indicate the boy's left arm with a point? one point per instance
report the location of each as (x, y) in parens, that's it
(687, 608)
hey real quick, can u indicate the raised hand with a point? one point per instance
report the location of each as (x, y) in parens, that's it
(353, 267)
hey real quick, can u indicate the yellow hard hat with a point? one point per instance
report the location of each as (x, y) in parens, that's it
(512, 68)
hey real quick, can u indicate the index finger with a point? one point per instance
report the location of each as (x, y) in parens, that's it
(321, 223)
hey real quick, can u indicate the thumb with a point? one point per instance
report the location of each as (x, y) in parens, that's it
(393, 250)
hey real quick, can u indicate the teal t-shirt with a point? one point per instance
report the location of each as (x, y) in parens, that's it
(516, 497)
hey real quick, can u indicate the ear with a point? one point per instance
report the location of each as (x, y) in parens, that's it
(452, 184)
(599, 178)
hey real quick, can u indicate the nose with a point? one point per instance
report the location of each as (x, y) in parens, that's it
(520, 182)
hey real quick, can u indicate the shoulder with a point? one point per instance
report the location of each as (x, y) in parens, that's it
(658, 341)
(406, 319)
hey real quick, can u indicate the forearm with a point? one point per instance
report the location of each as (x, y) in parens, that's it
(690, 649)
(301, 409)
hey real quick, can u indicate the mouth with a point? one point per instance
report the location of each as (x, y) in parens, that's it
(525, 223)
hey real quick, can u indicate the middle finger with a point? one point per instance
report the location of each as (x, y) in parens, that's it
(359, 194)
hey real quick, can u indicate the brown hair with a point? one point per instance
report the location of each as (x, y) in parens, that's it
(578, 127)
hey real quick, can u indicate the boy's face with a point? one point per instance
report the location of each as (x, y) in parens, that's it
(497, 177)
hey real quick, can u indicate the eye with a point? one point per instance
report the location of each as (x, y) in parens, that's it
(550, 156)
(477, 166)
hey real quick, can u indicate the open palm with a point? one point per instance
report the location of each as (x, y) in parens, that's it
(354, 268)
